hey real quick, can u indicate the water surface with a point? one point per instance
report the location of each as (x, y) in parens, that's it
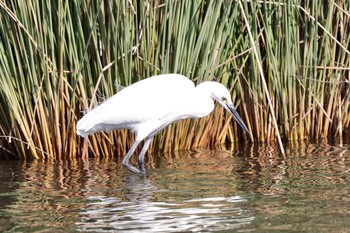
(245, 189)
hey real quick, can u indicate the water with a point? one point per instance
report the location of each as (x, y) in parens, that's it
(248, 189)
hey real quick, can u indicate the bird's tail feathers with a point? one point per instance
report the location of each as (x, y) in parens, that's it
(85, 125)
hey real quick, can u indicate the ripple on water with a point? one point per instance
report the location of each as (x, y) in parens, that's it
(214, 213)
(247, 189)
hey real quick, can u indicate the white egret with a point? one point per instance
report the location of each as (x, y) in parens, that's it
(147, 106)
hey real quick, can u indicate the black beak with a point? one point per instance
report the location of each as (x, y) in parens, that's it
(239, 119)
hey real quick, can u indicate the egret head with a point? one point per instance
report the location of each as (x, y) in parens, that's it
(220, 93)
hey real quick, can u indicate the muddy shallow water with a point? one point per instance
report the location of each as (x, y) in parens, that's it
(245, 189)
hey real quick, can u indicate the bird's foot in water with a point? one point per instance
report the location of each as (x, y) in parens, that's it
(142, 168)
(141, 172)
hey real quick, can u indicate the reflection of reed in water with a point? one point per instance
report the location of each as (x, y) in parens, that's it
(53, 191)
(204, 188)
(317, 174)
(264, 169)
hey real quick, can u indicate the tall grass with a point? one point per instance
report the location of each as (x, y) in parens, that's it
(60, 58)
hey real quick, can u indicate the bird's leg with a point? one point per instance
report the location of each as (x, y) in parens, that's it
(126, 160)
(142, 155)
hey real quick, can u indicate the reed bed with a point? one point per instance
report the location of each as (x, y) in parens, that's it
(58, 59)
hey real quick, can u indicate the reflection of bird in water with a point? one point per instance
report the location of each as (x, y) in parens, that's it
(148, 106)
(141, 206)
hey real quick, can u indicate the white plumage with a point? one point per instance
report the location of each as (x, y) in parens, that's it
(153, 103)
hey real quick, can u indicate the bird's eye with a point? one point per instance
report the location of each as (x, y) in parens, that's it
(223, 99)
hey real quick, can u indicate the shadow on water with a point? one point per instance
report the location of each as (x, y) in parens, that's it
(248, 188)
